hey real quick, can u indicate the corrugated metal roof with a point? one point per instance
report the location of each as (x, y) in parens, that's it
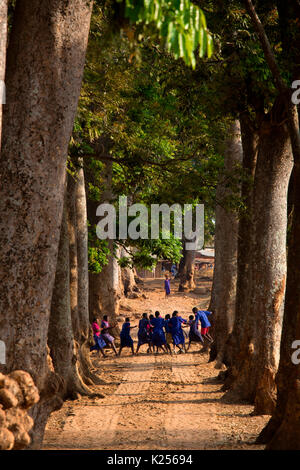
(209, 252)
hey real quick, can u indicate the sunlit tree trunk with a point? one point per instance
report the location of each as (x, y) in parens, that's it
(187, 269)
(45, 63)
(105, 290)
(72, 224)
(127, 275)
(82, 254)
(235, 341)
(105, 287)
(283, 429)
(65, 351)
(60, 332)
(226, 235)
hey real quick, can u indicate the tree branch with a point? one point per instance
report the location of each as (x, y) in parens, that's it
(265, 44)
(124, 161)
(292, 112)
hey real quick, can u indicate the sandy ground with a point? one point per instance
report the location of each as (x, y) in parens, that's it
(156, 401)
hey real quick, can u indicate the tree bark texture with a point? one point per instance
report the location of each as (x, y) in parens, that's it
(258, 356)
(226, 236)
(82, 254)
(45, 63)
(187, 270)
(3, 43)
(250, 139)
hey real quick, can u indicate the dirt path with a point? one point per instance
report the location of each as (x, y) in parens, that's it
(155, 401)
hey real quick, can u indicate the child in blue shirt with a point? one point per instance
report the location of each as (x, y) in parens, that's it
(126, 340)
(201, 315)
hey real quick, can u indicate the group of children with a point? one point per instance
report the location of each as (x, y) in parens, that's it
(155, 331)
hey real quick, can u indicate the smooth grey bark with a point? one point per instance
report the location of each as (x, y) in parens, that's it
(60, 332)
(44, 70)
(127, 277)
(79, 276)
(105, 290)
(105, 287)
(65, 352)
(72, 224)
(226, 239)
(249, 135)
(82, 254)
(187, 269)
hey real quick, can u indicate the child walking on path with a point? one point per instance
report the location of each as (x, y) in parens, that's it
(167, 286)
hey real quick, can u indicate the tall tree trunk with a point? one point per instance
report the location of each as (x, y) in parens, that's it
(82, 255)
(105, 291)
(127, 276)
(45, 63)
(283, 429)
(105, 287)
(60, 332)
(213, 297)
(72, 224)
(260, 353)
(64, 350)
(244, 257)
(78, 254)
(226, 233)
(3, 41)
(84, 336)
(187, 270)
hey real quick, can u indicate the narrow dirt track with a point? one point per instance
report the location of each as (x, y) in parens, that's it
(155, 401)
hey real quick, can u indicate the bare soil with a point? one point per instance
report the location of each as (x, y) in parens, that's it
(156, 401)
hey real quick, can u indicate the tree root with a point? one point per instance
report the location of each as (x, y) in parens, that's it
(76, 387)
(86, 367)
